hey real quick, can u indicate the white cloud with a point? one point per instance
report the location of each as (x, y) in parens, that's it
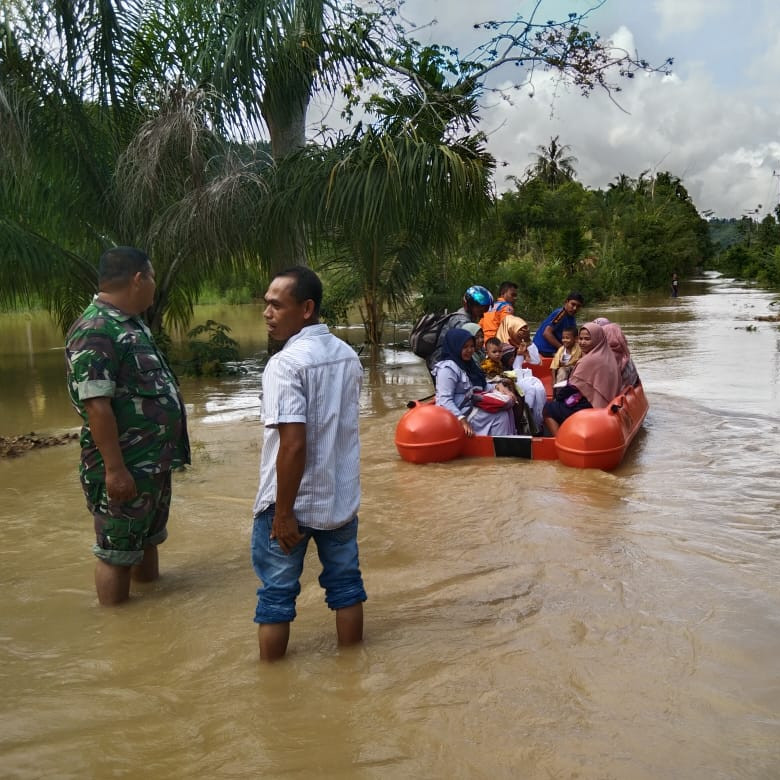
(723, 147)
(687, 15)
(714, 122)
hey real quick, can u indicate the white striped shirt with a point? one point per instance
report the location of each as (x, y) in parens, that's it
(315, 379)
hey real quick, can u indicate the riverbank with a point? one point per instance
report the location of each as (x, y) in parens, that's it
(14, 446)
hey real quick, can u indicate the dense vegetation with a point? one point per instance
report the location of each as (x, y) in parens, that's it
(179, 127)
(748, 249)
(551, 234)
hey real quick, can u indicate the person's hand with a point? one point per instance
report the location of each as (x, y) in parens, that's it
(120, 485)
(466, 427)
(285, 530)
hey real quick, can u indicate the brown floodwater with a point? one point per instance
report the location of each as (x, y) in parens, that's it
(525, 620)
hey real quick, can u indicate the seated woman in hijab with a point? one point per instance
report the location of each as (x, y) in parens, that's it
(461, 389)
(479, 340)
(619, 346)
(594, 382)
(514, 332)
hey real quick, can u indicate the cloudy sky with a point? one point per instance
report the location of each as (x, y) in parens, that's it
(715, 122)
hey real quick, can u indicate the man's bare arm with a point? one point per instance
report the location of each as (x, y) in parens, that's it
(550, 338)
(120, 484)
(290, 463)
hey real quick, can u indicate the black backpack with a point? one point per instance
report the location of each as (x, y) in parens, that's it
(426, 332)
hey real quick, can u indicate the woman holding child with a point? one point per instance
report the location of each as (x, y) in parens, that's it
(593, 383)
(462, 390)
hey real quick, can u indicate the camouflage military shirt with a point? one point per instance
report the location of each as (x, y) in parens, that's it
(111, 354)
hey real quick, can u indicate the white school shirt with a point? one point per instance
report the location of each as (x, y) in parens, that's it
(315, 379)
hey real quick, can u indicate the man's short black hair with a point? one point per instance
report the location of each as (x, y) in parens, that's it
(307, 285)
(575, 296)
(119, 265)
(573, 331)
(505, 286)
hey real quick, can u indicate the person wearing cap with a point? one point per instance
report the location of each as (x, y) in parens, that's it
(476, 301)
(548, 335)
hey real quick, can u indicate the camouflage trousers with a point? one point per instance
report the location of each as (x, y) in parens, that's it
(123, 529)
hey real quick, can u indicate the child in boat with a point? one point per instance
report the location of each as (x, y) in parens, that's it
(492, 365)
(500, 395)
(566, 357)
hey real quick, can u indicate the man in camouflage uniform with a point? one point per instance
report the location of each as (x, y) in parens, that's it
(134, 428)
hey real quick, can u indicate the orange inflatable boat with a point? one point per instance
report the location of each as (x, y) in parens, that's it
(591, 438)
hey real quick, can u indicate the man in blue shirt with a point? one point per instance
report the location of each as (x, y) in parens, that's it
(548, 335)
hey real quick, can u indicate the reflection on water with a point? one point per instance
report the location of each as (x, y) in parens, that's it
(524, 619)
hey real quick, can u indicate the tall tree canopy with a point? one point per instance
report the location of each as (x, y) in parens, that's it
(151, 124)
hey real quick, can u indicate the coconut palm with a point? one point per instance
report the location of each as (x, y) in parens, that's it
(553, 166)
(378, 205)
(121, 114)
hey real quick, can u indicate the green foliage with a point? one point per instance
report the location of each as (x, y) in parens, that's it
(552, 237)
(210, 357)
(723, 232)
(753, 251)
(340, 291)
(135, 123)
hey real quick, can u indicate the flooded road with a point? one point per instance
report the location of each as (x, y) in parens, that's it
(525, 620)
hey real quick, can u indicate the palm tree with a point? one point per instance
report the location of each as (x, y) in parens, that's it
(378, 205)
(119, 115)
(553, 166)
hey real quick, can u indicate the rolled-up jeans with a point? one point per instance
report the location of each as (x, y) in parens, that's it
(280, 572)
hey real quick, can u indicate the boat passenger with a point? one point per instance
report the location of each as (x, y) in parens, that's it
(479, 341)
(566, 357)
(504, 305)
(476, 301)
(514, 331)
(619, 346)
(548, 336)
(492, 366)
(594, 382)
(459, 382)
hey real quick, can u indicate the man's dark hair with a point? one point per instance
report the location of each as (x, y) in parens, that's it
(573, 331)
(119, 265)
(307, 285)
(493, 342)
(506, 286)
(575, 296)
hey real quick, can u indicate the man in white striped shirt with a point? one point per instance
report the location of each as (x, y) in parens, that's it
(309, 467)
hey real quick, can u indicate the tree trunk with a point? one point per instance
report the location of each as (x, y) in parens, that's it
(373, 318)
(288, 135)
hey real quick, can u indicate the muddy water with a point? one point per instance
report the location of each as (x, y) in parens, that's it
(524, 619)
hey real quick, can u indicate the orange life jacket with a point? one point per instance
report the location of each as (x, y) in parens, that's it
(493, 316)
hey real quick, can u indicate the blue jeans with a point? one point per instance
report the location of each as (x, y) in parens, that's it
(280, 573)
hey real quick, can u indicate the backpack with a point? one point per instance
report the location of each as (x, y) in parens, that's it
(426, 332)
